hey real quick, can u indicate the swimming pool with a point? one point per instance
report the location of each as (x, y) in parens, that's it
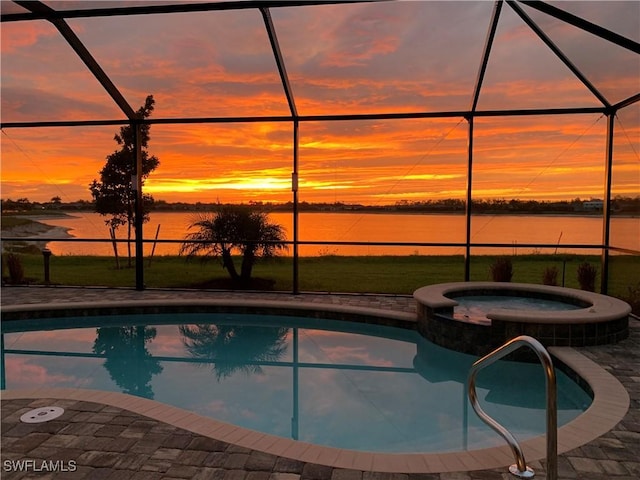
(348, 385)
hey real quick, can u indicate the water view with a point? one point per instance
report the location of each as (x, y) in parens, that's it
(361, 227)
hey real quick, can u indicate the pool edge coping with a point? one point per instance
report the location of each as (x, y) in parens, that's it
(302, 306)
(610, 404)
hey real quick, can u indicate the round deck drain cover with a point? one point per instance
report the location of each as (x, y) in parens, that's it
(42, 414)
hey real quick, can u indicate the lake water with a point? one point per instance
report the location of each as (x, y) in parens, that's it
(513, 230)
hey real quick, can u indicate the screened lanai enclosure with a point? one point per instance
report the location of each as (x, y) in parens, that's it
(435, 135)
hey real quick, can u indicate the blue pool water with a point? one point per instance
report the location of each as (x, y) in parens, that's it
(342, 384)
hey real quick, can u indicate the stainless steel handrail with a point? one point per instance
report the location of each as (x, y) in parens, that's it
(520, 469)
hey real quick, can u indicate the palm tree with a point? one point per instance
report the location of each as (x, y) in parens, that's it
(234, 348)
(235, 229)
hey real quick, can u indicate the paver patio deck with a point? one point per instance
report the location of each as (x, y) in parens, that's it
(106, 442)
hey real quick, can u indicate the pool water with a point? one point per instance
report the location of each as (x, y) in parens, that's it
(342, 384)
(476, 307)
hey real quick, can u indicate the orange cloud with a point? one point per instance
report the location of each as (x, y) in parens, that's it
(362, 58)
(16, 36)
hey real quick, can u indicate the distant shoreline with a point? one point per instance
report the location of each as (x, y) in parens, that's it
(367, 211)
(35, 229)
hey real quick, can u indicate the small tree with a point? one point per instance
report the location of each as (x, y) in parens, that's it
(234, 229)
(113, 194)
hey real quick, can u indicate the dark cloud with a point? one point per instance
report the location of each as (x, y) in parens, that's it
(31, 104)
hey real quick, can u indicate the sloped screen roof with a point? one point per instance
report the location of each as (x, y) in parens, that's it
(353, 58)
(426, 65)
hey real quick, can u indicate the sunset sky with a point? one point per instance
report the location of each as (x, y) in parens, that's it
(411, 56)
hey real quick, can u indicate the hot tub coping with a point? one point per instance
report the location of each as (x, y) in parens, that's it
(602, 308)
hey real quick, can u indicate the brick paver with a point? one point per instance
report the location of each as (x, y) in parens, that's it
(104, 442)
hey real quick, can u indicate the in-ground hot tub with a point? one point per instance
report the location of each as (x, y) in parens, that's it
(476, 317)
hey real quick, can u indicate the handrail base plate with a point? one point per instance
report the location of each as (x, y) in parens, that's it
(528, 473)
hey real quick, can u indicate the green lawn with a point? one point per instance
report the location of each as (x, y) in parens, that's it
(9, 222)
(370, 274)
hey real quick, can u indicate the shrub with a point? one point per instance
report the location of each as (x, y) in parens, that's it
(16, 270)
(502, 270)
(633, 298)
(550, 276)
(587, 274)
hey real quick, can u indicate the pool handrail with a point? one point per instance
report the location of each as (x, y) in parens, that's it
(520, 468)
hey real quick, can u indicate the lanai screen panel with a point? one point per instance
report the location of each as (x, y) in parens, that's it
(202, 64)
(396, 166)
(44, 80)
(382, 162)
(625, 180)
(612, 69)
(382, 57)
(625, 207)
(538, 159)
(523, 72)
(225, 163)
(42, 163)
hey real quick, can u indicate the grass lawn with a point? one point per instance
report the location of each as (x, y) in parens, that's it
(9, 222)
(358, 274)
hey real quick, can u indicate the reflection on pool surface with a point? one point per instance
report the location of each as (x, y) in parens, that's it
(347, 385)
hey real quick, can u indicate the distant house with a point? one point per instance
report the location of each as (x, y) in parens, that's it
(592, 205)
